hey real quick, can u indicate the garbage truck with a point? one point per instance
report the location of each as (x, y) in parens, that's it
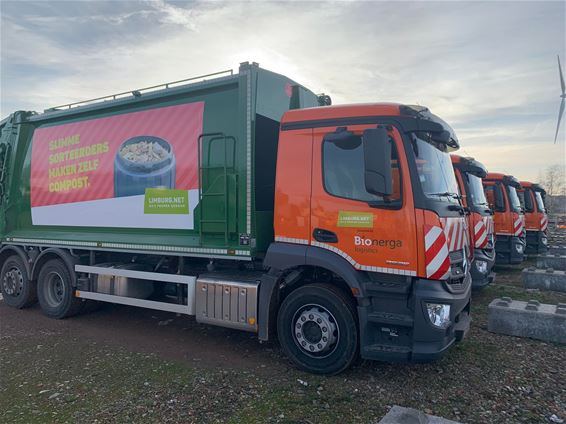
(469, 174)
(532, 197)
(247, 201)
(509, 220)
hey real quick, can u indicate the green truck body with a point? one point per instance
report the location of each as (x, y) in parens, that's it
(231, 209)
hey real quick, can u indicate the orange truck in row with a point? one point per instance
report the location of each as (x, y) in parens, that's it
(532, 197)
(510, 235)
(469, 174)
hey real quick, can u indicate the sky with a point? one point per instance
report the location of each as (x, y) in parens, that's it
(487, 68)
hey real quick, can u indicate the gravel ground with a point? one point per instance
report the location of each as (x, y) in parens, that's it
(125, 365)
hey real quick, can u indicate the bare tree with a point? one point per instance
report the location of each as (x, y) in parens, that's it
(554, 182)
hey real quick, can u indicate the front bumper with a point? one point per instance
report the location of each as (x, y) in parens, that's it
(536, 242)
(396, 327)
(507, 249)
(482, 279)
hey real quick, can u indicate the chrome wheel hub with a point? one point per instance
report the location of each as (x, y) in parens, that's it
(13, 282)
(315, 330)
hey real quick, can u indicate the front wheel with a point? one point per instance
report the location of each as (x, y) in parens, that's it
(317, 329)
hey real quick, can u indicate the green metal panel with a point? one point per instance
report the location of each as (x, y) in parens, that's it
(225, 221)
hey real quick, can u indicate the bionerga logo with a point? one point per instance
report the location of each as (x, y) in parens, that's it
(369, 242)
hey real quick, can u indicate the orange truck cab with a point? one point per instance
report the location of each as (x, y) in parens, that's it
(469, 174)
(366, 195)
(532, 196)
(501, 193)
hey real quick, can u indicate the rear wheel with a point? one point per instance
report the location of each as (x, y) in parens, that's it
(317, 329)
(55, 291)
(17, 290)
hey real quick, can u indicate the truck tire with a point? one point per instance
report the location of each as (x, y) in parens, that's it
(17, 290)
(55, 291)
(317, 329)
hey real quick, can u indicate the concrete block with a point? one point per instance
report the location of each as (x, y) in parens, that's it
(552, 261)
(528, 319)
(401, 415)
(544, 279)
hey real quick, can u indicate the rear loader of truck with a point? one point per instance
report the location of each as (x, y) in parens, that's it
(501, 193)
(336, 229)
(532, 196)
(469, 174)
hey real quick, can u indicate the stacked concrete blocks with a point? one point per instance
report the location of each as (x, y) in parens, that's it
(528, 319)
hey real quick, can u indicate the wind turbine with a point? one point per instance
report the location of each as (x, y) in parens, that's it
(563, 96)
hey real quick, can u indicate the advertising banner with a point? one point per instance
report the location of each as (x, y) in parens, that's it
(133, 170)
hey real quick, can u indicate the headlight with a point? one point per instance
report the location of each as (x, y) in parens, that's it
(519, 247)
(481, 266)
(544, 240)
(438, 314)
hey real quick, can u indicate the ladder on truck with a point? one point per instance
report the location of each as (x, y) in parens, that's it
(218, 186)
(8, 133)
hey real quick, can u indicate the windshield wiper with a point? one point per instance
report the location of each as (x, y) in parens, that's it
(447, 194)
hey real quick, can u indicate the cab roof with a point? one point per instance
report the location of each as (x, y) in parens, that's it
(469, 165)
(533, 186)
(506, 179)
(417, 119)
(342, 111)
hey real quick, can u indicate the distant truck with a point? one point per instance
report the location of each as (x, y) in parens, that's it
(532, 197)
(234, 199)
(501, 194)
(469, 174)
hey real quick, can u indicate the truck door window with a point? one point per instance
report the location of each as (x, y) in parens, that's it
(494, 197)
(343, 172)
(526, 200)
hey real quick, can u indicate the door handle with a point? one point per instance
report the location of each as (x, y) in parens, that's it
(324, 236)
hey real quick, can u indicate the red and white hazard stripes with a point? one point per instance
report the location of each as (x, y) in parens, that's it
(519, 225)
(456, 233)
(483, 231)
(543, 222)
(436, 253)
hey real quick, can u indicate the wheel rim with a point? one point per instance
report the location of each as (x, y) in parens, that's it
(13, 282)
(54, 289)
(315, 330)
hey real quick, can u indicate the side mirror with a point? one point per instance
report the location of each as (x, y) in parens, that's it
(378, 176)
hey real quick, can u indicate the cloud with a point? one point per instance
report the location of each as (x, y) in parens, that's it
(487, 68)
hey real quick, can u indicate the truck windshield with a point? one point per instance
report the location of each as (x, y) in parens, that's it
(475, 189)
(513, 199)
(540, 202)
(435, 170)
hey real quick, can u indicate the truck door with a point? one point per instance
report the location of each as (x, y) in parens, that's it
(371, 232)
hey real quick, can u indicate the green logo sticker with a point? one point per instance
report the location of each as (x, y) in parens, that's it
(166, 201)
(355, 219)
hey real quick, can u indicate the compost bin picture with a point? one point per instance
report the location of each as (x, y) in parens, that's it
(119, 171)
